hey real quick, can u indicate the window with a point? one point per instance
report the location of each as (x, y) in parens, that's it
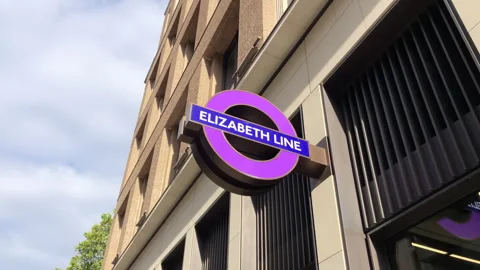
(230, 64)
(121, 218)
(285, 234)
(139, 137)
(189, 37)
(212, 232)
(160, 97)
(180, 125)
(143, 183)
(187, 53)
(215, 73)
(174, 261)
(172, 35)
(182, 149)
(175, 147)
(153, 75)
(448, 240)
(171, 40)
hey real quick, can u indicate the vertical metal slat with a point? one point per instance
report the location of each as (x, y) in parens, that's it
(377, 145)
(392, 125)
(432, 84)
(404, 122)
(409, 86)
(446, 54)
(355, 165)
(401, 141)
(436, 85)
(362, 158)
(428, 106)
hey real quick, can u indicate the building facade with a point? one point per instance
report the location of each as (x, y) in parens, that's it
(390, 87)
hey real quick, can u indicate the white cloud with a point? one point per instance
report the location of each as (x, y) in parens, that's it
(44, 211)
(26, 181)
(78, 64)
(71, 81)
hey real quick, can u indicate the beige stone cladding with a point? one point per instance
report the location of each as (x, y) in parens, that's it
(469, 12)
(180, 225)
(182, 78)
(187, 68)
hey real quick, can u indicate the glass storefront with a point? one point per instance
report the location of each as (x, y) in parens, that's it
(447, 240)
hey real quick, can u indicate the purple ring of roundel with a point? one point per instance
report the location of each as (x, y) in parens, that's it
(272, 169)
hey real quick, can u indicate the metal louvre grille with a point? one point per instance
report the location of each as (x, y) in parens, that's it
(212, 234)
(174, 261)
(285, 239)
(285, 234)
(412, 118)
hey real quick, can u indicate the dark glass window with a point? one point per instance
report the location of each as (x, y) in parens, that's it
(448, 240)
(175, 149)
(139, 137)
(212, 232)
(188, 53)
(230, 64)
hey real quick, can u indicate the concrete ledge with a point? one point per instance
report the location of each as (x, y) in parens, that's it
(170, 198)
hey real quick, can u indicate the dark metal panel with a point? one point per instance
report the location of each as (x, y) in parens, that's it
(285, 229)
(284, 233)
(300, 219)
(435, 117)
(466, 70)
(395, 124)
(431, 122)
(212, 234)
(387, 144)
(443, 84)
(416, 122)
(372, 159)
(455, 81)
(288, 240)
(407, 135)
(378, 160)
(431, 84)
(460, 52)
(364, 173)
(270, 220)
(382, 164)
(354, 156)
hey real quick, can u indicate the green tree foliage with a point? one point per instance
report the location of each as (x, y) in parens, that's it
(90, 251)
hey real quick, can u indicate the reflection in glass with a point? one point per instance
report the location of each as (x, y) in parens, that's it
(447, 240)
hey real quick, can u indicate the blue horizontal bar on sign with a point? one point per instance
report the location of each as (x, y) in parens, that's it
(249, 130)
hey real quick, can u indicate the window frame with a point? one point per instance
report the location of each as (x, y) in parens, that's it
(230, 57)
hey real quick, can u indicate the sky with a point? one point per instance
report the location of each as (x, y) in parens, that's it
(71, 83)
